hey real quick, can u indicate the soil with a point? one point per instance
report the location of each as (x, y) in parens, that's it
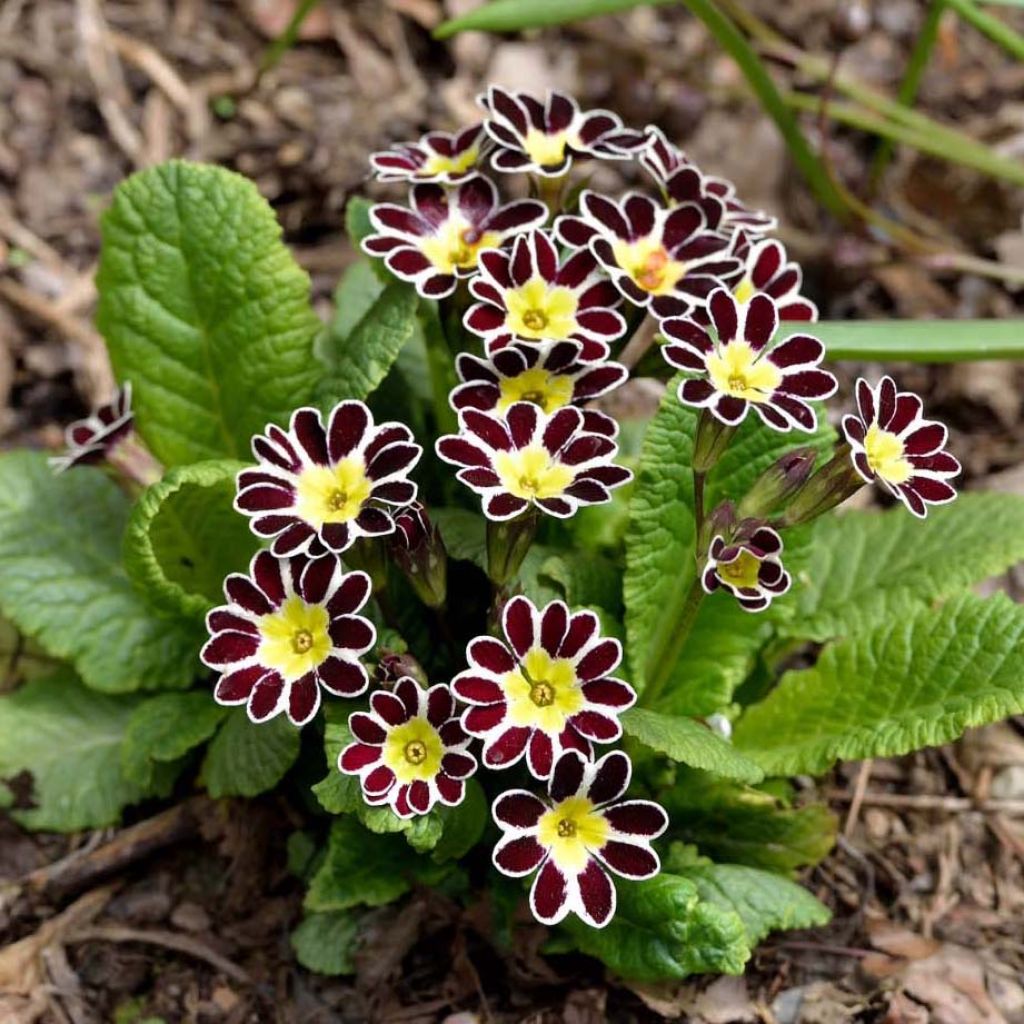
(927, 879)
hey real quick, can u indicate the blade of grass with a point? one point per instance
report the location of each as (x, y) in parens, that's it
(515, 15)
(286, 40)
(996, 29)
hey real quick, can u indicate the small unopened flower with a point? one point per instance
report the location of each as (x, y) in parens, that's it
(667, 259)
(437, 156)
(289, 629)
(90, 440)
(749, 567)
(525, 294)
(580, 833)
(441, 237)
(528, 458)
(545, 688)
(544, 137)
(766, 268)
(417, 547)
(409, 749)
(736, 367)
(335, 483)
(893, 443)
(550, 377)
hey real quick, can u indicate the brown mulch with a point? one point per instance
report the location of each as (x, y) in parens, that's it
(926, 882)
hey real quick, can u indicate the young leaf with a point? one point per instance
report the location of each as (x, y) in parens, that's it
(691, 743)
(184, 537)
(325, 943)
(62, 582)
(69, 739)
(246, 759)
(204, 310)
(919, 679)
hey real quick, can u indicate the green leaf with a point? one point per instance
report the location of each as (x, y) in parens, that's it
(338, 793)
(690, 742)
(184, 536)
(204, 310)
(863, 565)
(357, 219)
(63, 585)
(917, 680)
(165, 728)
(357, 291)
(325, 943)
(69, 738)
(462, 826)
(245, 759)
(514, 15)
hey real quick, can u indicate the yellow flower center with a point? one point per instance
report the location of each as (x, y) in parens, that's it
(413, 751)
(332, 494)
(744, 291)
(741, 572)
(457, 245)
(543, 692)
(538, 310)
(294, 639)
(548, 390)
(649, 265)
(885, 455)
(572, 830)
(546, 150)
(438, 164)
(735, 370)
(532, 473)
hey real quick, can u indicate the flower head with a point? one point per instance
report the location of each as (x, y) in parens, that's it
(736, 367)
(766, 268)
(544, 689)
(583, 831)
(667, 259)
(749, 566)
(893, 443)
(441, 237)
(529, 458)
(437, 156)
(89, 440)
(526, 295)
(550, 377)
(409, 749)
(544, 137)
(289, 628)
(334, 484)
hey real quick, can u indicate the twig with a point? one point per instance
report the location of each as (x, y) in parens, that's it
(926, 802)
(859, 789)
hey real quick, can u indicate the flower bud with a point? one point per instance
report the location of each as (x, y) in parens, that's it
(419, 552)
(712, 438)
(393, 666)
(778, 483)
(836, 481)
(508, 541)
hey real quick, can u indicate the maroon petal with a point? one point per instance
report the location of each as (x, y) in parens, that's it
(351, 596)
(567, 776)
(265, 697)
(348, 423)
(388, 707)
(554, 621)
(540, 755)
(799, 350)
(724, 313)
(928, 438)
(458, 765)
(366, 728)
(597, 894)
(303, 699)
(601, 659)
(440, 706)
(582, 626)
(518, 809)
(518, 855)
(809, 384)
(612, 693)
(637, 818)
(240, 590)
(611, 778)
(629, 860)
(379, 781)
(491, 655)
(507, 747)
(228, 649)
(476, 689)
(597, 725)
(762, 321)
(308, 429)
(357, 756)
(419, 796)
(316, 579)
(518, 622)
(235, 687)
(479, 721)
(343, 678)
(549, 894)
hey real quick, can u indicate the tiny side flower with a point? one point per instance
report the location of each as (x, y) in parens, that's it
(583, 831)
(89, 440)
(290, 628)
(435, 157)
(409, 750)
(749, 567)
(546, 688)
(893, 443)
(529, 459)
(767, 268)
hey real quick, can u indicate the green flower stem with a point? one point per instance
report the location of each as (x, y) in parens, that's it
(665, 660)
(507, 545)
(442, 369)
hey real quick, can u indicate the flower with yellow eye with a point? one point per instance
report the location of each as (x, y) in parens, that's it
(893, 443)
(735, 367)
(666, 259)
(528, 458)
(766, 268)
(409, 749)
(583, 831)
(289, 629)
(90, 440)
(331, 484)
(440, 238)
(437, 156)
(544, 137)
(550, 377)
(527, 295)
(545, 688)
(749, 566)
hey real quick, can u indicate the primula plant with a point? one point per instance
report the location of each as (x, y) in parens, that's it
(481, 633)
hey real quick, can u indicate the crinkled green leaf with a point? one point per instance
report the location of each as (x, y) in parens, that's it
(690, 742)
(464, 534)
(864, 564)
(918, 680)
(204, 310)
(69, 739)
(584, 579)
(62, 582)
(184, 537)
(462, 826)
(245, 759)
(325, 943)
(22, 659)
(337, 792)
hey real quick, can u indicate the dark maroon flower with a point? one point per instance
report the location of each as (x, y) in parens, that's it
(88, 441)
(289, 628)
(767, 269)
(441, 237)
(583, 831)
(544, 689)
(892, 442)
(437, 156)
(336, 484)
(749, 566)
(736, 367)
(544, 137)
(409, 749)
